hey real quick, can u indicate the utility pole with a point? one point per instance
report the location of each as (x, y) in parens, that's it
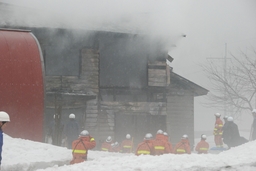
(225, 78)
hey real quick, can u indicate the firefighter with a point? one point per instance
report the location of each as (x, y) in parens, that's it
(168, 142)
(106, 146)
(253, 127)
(146, 147)
(4, 119)
(218, 131)
(81, 146)
(115, 147)
(225, 118)
(160, 144)
(127, 144)
(183, 146)
(231, 135)
(202, 146)
(71, 131)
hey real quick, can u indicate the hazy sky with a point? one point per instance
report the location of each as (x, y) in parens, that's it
(208, 25)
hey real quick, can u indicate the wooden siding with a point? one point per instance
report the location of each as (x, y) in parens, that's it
(180, 116)
(157, 74)
(86, 82)
(100, 119)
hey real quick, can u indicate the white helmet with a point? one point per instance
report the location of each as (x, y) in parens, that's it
(109, 139)
(217, 114)
(72, 116)
(225, 117)
(84, 133)
(230, 119)
(148, 136)
(254, 111)
(165, 133)
(185, 136)
(4, 117)
(203, 136)
(128, 136)
(159, 131)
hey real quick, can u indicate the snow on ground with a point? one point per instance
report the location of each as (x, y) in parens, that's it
(25, 155)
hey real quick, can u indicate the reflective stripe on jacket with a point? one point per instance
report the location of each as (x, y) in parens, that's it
(146, 147)
(182, 147)
(80, 149)
(126, 146)
(202, 147)
(218, 127)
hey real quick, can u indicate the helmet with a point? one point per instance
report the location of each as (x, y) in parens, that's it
(203, 136)
(254, 111)
(128, 136)
(165, 133)
(159, 131)
(225, 117)
(217, 114)
(230, 119)
(148, 136)
(84, 133)
(72, 116)
(116, 143)
(109, 139)
(185, 136)
(4, 116)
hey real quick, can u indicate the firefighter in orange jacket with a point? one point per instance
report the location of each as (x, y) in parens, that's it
(160, 144)
(183, 146)
(168, 142)
(115, 147)
(146, 147)
(202, 146)
(127, 144)
(81, 146)
(218, 131)
(106, 146)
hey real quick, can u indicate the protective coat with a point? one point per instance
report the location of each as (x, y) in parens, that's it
(231, 136)
(182, 147)
(202, 147)
(71, 131)
(217, 132)
(80, 148)
(115, 148)
(253, 129)
(126, 146)
(169, 144)
(160, 144)
(106, 146)
(146, 148)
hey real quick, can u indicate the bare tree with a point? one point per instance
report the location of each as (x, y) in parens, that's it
(233, 86)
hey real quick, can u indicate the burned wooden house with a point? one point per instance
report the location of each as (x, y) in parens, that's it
(115, 83)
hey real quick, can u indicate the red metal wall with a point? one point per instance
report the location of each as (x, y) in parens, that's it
(21, 84)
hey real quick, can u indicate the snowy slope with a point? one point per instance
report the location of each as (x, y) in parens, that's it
(25, 155)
